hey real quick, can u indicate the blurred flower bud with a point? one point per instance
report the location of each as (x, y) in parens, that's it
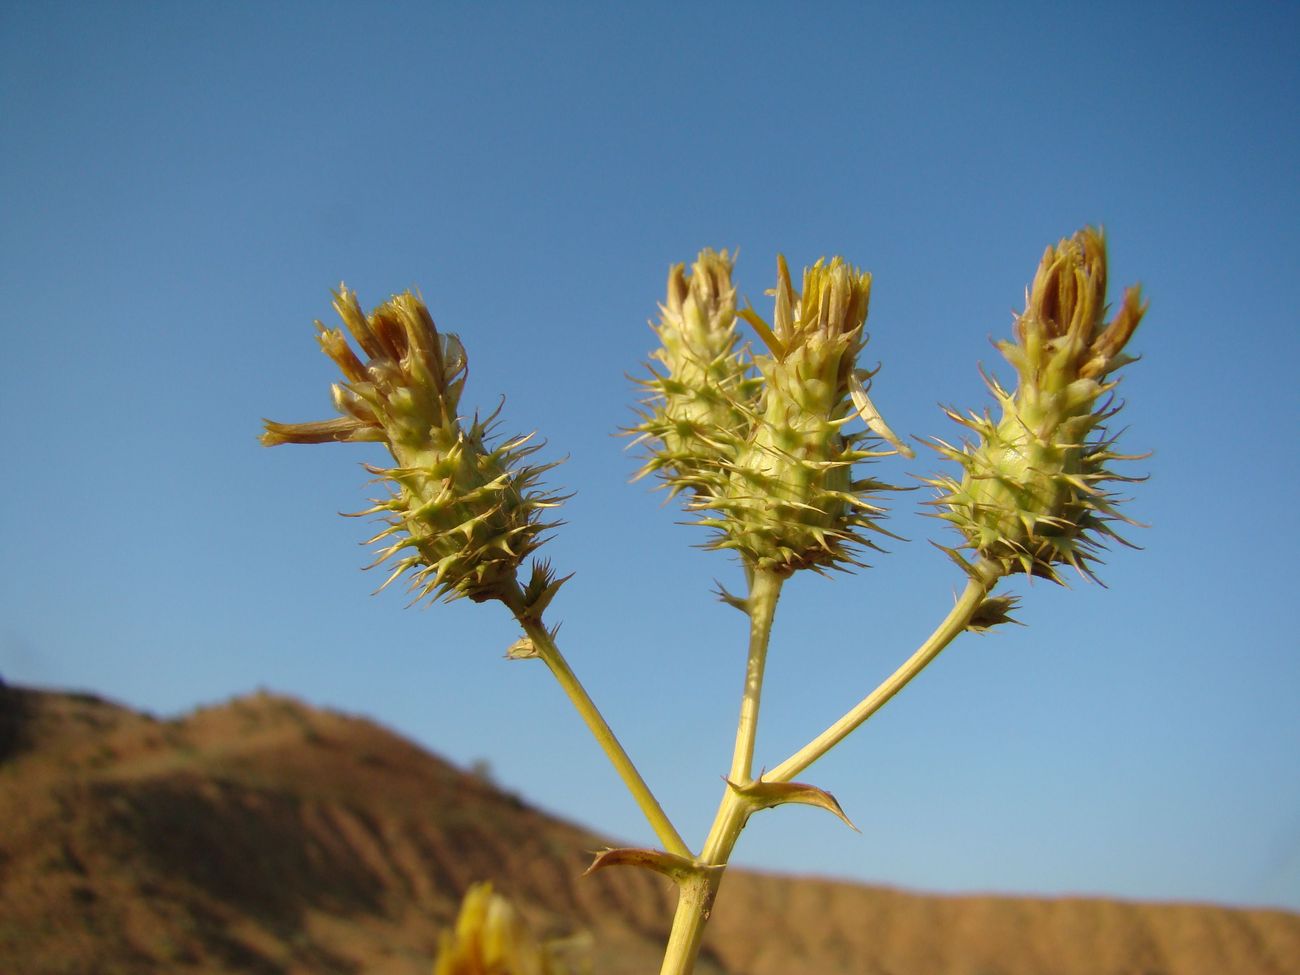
(490, 938)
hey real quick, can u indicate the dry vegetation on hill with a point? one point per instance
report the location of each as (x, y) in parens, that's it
(263, 837)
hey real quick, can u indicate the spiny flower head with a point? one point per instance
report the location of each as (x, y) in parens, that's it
(1030, 495)
(792, 501)
(759, 446)
(461, 515)
(698, 409)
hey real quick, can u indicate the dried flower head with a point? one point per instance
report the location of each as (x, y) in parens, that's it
(1031, 492)
(461, 516)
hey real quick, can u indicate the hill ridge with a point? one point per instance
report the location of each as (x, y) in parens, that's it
(266, 835)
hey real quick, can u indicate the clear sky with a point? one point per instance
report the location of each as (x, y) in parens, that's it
(181, 185)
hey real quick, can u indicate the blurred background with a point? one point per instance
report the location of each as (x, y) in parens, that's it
(181, 186)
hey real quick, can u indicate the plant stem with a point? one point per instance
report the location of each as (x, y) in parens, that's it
(764, 591)
(694, 905)
(984, 577)
(545, 646)
(695, 898)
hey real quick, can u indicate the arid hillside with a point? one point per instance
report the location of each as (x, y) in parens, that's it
(265, 837)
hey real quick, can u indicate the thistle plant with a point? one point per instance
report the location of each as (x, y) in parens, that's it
(773, 452)
(461, 516)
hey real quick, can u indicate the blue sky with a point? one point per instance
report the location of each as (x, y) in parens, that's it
(181, 185)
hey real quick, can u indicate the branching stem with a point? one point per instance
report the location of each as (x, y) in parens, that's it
(984, 577)
(695, 902)
(695, 899)
(547, 650)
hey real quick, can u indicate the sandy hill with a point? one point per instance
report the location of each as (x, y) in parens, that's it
(265, 837)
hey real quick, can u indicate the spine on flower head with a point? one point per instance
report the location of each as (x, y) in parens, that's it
(1031, 493)
(461, 515)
